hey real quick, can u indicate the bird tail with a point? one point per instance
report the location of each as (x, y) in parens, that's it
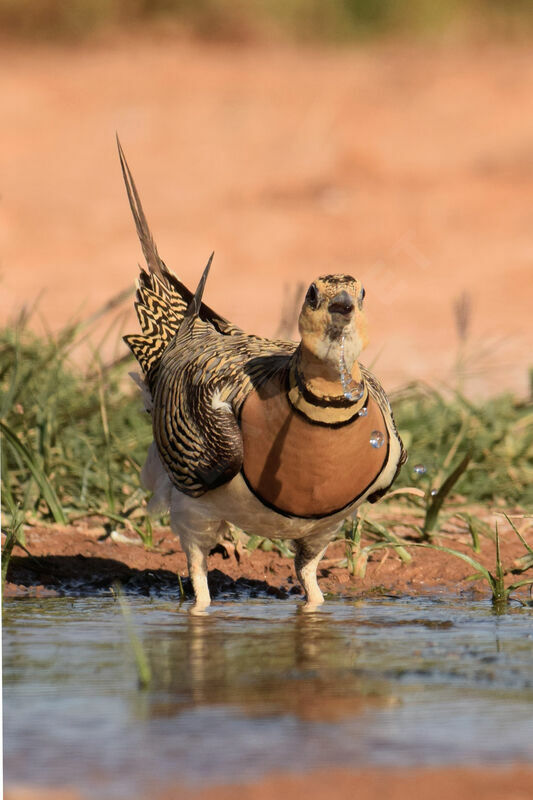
(162, 300)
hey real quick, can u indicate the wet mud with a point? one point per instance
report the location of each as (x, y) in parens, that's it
(85, 560)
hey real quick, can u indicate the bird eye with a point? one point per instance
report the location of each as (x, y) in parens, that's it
(311, 298)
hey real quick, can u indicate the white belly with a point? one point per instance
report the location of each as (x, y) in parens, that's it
(236, 504)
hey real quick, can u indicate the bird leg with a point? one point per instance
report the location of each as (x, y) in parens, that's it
(197, 564)
(196, 546)
(309, 551)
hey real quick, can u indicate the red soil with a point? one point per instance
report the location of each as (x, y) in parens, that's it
(83, 559)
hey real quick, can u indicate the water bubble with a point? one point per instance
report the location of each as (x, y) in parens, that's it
(419, 469)
(376, 439)
(363, 412)
(352, 391)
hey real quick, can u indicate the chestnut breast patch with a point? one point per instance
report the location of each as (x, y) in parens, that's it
(304, 469)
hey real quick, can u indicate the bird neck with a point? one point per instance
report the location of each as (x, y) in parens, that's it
(322, 392)
(325, 378)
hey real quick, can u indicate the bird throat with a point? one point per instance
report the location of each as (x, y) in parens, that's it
(326, 399)
(352, 389)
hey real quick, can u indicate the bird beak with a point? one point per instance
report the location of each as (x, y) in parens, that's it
(342, 303)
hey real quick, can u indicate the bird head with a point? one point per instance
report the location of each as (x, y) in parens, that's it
(332, 318)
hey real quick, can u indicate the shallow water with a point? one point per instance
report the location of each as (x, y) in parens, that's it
(258, 686)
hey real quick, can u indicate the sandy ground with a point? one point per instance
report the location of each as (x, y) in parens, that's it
(409, 166)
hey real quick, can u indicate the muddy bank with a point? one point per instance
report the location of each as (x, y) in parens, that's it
(416, 784)
(85, 559)
(510, 783)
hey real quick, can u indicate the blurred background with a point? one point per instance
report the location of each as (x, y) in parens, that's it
(392, 141)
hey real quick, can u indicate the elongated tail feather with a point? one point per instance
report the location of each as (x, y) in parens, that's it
(163, 302)
(194, 307)
(146, 239)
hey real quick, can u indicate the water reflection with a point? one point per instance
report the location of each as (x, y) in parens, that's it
(305, 667)
(256, 685)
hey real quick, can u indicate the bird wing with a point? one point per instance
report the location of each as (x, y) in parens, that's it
(202, 382)
(202, 378)
(378, 393)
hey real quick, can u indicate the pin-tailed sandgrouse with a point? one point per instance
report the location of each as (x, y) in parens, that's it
(281, 439)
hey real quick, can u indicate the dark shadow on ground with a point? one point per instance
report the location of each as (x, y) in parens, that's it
(49, 576)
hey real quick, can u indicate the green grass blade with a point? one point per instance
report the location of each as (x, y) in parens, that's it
(500, 594)
(518, 584)
(46, 488)
(253, 542)
(144, 673)
(522, 564)
(12, 538)
(180, 584)
(7, 493)
(146, 537)
(515, 529)
(473, 529)
(436, 501)
(11, 393)
(283, 548)
(107, 439)
(489, 577)
(402, 553)
(477, 576)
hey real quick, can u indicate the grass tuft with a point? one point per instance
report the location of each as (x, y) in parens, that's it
(73, 439)
(498, 433)
(29, 460)
(248, 20)
(436, 499)
(13, 537)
